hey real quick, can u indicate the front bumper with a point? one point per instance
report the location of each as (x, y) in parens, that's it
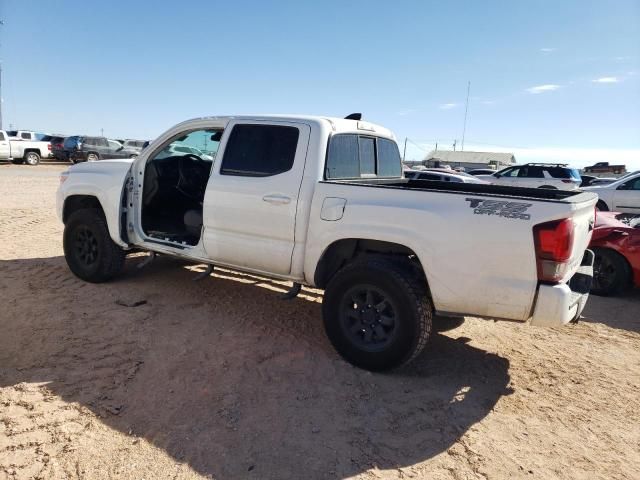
(560, 304)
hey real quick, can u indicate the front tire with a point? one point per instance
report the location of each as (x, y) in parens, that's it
(377, 313)
(611, 272)
(92, 157)
(32, 158)
(601, 206)
(88, 248)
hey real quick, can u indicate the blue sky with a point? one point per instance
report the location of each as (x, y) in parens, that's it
(550, 80)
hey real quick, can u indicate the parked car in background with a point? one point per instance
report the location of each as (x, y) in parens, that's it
(586, 180)
(57, 148)
(27, 135)
(79, 148)
(22, 151)
(623, 195)
(616, 244)
(604, 167)
(537, 175)
(177, 148)
(441, 175)
(481, 171)
(135, 145)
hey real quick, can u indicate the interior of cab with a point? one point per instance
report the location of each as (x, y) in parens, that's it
(175, 181)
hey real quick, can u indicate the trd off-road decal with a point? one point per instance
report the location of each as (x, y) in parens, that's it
(497, 207)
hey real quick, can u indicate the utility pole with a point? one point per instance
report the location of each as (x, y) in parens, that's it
(454, 145)
(466, 109)
(404, 152)
(102, 132)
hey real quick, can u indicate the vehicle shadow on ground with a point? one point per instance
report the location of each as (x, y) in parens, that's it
(620, 311)
(224, 376)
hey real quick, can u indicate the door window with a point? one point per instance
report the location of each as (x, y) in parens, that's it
(201, 143)
(25, 135)
(514, 172)
(2, 139)
(260, 150)
(531, 172)
(631, 185)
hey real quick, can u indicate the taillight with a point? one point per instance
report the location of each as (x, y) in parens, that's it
(554, 244)
(49, 146)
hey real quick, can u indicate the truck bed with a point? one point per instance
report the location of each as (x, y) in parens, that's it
(538, 194)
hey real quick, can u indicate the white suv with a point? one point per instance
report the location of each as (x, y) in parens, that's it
(537, 175)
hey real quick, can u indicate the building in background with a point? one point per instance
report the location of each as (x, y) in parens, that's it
(468, 160)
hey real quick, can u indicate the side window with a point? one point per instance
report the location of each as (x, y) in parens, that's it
(260, 150)
(631, 185)
(2, 139)
(429, 176)
(531, 172)
(89, 141)
(25, 135)
(356, 156)
(514, 172)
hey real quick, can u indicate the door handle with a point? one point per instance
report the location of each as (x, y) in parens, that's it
(277, 199)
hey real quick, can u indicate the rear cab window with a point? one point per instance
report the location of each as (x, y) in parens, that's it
(352, 156)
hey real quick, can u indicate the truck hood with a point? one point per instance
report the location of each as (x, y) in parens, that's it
(106, 167)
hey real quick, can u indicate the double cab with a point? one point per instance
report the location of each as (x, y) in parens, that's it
(323, 202)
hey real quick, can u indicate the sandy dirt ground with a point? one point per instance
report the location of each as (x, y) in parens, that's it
(222, 379)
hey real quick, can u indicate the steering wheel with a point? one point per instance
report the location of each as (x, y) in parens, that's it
(192, 179)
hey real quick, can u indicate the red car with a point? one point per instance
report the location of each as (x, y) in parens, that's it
(616, 243)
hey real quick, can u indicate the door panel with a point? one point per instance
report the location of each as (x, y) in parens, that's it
(249, 221)
(627, 200)
(5, 149)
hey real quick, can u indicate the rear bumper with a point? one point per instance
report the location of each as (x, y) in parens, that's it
(560, 304)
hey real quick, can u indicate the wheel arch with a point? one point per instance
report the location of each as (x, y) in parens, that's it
(74, 203)
(612, 251)
(344, 250)
(78, 201)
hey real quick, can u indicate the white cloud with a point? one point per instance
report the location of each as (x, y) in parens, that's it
(606, 80)
(448, 106)
(550, 87)
(548, 49)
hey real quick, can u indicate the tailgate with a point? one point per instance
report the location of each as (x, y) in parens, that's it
(583, 216)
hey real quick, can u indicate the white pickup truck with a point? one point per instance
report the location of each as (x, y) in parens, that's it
(323, 202)
(22, 151)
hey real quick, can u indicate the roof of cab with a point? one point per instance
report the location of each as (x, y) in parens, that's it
(337, 124)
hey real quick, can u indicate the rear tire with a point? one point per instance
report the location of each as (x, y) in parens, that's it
(377, 313)
(88, 248)
(92, 157)
(611, 272)
(32, 158)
